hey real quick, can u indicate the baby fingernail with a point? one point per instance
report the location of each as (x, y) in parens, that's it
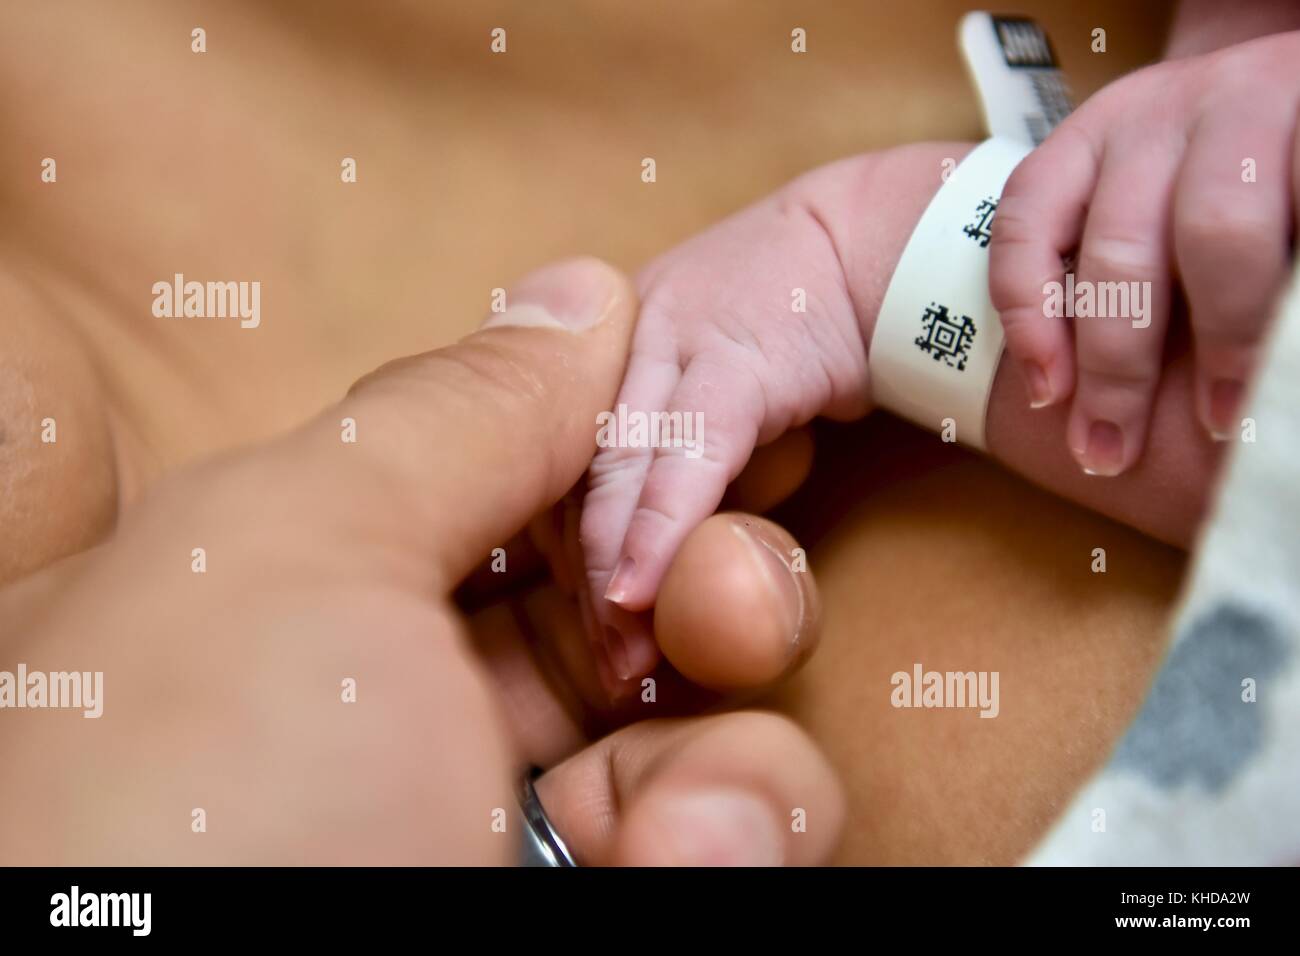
(1040, 391)
(605, 669)
(642, 651)
(572, 295)
(617, 653)
(619, 584)
(1104, 453)
(1224, 406)
(632, 652)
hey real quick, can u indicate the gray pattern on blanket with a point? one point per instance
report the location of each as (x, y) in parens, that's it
(1195, 724)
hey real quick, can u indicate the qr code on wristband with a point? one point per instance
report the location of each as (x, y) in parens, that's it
(946, 338)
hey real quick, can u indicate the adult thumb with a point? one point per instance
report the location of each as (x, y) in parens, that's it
(452, 451)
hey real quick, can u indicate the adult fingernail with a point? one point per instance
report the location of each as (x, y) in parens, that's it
(1103, 455)
(1040, 390)
(1223, 408)
(718, 828)
(573, 295)
(768, 551)
(619, 584)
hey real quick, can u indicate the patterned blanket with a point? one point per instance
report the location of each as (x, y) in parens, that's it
(1209, 771)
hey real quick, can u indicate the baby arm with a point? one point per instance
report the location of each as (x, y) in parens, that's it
(719, 336)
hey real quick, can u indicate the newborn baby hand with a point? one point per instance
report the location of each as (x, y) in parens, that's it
(762, 323)
(1182, 169)
(752, 328)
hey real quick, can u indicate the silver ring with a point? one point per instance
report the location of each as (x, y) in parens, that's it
(542, 845)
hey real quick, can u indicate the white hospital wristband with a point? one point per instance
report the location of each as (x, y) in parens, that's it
(1021, 90)
(937, 340)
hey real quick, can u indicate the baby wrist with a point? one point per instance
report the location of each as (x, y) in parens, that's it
(936, 340)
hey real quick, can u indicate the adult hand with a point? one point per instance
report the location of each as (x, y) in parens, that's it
(305, 681)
